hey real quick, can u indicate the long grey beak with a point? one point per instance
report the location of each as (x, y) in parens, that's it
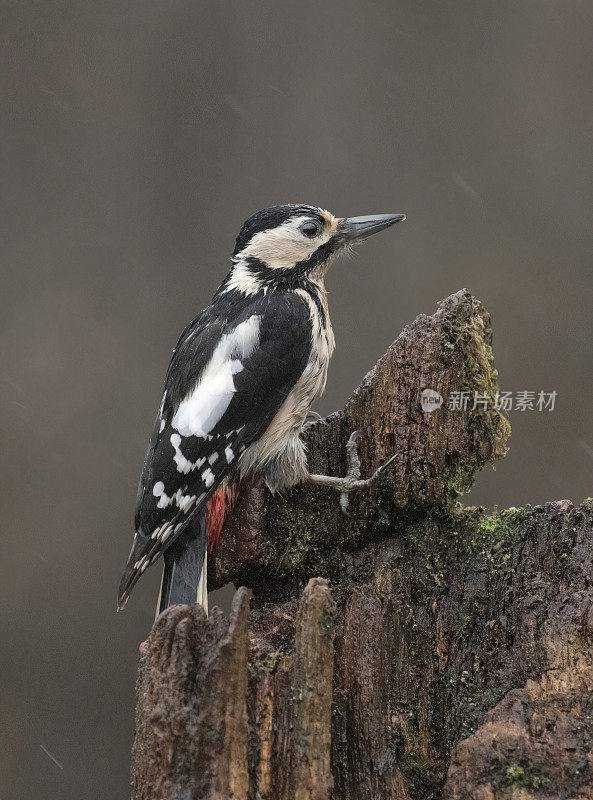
(359, 228)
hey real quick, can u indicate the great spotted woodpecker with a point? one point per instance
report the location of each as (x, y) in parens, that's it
(238, 390)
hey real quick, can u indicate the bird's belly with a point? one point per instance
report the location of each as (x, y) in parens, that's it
(280, 454)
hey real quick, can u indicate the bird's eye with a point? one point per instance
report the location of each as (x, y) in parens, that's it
(310, 229)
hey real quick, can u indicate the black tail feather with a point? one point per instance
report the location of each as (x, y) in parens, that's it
(184, 561)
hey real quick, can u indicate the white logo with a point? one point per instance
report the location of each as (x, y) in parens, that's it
(430, 400)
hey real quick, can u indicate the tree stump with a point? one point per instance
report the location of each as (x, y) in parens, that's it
(415, 648)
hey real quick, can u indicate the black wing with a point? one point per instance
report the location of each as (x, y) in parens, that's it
(226, 382)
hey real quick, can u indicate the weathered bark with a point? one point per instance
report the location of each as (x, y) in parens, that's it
(450, 655)
(438, 453)
(191, 715)
(192, 718)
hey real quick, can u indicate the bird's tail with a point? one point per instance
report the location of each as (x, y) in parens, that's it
(185, 571)
(185, 576)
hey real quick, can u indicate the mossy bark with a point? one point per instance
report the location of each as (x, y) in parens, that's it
(444, 652)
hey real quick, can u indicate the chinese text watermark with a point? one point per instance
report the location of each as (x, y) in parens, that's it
(523, 400)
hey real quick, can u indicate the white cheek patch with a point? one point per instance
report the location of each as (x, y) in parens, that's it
(205, 405)
(284, 246)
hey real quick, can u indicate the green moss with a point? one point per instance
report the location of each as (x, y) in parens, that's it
(514, 773)
(299, 527)
(308, 546)
(501, 526)
(496, 534)
(483, 378)
(489, 538)
(414, 529)
(307, 540)
(459, 476)
(490, 425)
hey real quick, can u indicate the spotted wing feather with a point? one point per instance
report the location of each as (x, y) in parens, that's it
(226, 382)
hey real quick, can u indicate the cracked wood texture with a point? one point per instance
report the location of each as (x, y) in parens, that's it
(443, 653)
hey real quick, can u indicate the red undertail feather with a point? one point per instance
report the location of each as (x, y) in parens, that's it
(216, 510)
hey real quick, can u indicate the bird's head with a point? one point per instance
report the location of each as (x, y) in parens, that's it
(284, 244)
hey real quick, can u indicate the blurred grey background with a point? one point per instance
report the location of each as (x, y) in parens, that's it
(136, 137)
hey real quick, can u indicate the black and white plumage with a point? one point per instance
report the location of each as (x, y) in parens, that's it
(239, 385)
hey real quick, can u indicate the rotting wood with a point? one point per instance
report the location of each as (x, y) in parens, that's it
(449, 656)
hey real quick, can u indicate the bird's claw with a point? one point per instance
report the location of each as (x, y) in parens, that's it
(352, 480)
(312, 418)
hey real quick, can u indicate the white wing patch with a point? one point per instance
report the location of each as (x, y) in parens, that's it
(205, 405)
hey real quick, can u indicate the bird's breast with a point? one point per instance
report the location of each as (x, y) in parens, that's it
(281, 439)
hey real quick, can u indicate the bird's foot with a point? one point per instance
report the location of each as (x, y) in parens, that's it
(312, 418)
(352, 480)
